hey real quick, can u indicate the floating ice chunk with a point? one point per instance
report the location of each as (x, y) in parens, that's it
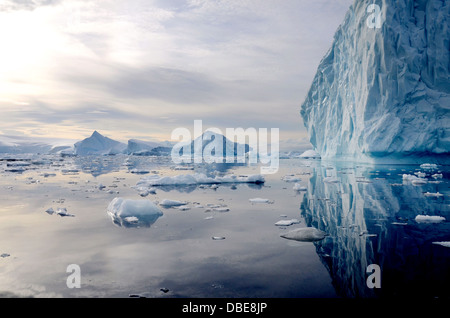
(429, 219)
(131, 219)
(260, 200)
(101, 186)
(291, 178)
(221, 209)
(306, 234)
(133, 213)
(437, 194)
(50, 211)
(409, 178)
(437, 176)
(183, 168)
(170, 203)
(429, 166)
(420, 174)
(139, 171)
(287, 222)
(18, 164)
(310, 154)
(331, 180)
(63, 212)
(218, 238)
(214, 186)
(197, 178)
(445, 244)
(299, 187)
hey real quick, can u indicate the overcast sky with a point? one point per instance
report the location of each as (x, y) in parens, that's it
(140, 68)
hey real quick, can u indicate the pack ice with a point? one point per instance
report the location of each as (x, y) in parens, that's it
(383, 94)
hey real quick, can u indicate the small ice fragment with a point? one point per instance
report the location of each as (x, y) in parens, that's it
(169, 203)
(260, 200)
(209, 218)
(330, 180)
(429, 219)
(399, 223)
(445, 244)
(221, 209)
(63, 212)
(218, 238)
(420, 174)
(101, 186)
(306, 234)
(287, 222)
(437, 194)
(131, 219)
(291, 178)
(214, 186)
(437, 176)
(428, 166)
(299, 187)
(50, 211)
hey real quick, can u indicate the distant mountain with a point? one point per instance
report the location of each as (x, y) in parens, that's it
(33, 145)
(97, 144)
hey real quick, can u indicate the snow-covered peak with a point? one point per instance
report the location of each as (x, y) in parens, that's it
(97, 144)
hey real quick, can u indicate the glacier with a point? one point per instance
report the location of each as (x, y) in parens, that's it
(383, 94)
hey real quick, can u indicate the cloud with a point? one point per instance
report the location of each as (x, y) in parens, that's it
(146, 67)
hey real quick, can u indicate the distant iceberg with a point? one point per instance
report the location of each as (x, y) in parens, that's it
(97, 144)
(310, 154)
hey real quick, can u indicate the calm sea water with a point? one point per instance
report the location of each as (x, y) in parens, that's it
(369, 215)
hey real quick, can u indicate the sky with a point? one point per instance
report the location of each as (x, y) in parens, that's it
(141, 68)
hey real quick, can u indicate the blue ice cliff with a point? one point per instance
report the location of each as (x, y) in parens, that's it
(382, 91)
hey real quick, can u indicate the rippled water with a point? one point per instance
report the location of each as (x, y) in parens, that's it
(369, 216)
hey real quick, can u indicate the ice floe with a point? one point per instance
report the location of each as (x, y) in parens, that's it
(429, 219)
(306, 234)
(171, 203)
(287, 222)
(260, 200)
(196, 178)
(437, 194)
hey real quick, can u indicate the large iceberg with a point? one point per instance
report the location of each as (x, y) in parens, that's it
(382, 92)
(98, 144)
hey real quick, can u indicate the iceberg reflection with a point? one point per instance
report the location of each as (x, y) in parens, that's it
(370, 219)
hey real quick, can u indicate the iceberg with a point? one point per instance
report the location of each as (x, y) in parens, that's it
(383, 94)
(133, 213)
(97, 144)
